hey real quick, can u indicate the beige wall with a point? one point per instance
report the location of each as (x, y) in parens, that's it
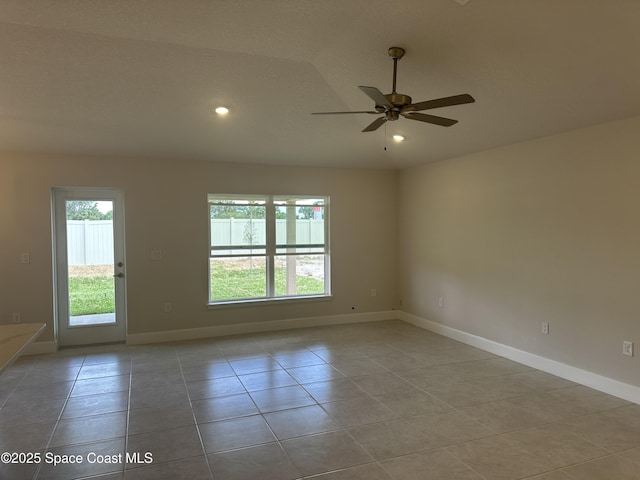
(547, 230)
(165, 208)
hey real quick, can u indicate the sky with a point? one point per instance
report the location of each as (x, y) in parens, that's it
(105, 207)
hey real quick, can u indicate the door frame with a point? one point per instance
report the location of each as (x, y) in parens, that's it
(87, 334)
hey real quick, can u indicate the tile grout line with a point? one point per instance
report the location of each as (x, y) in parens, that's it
(55, 427)
(195, 419)
(463, 463)
(126, 431)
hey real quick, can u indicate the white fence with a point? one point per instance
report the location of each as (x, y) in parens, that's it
(90, 242)
(240, 231)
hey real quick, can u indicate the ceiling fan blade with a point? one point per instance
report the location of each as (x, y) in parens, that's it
(423, 117)
(377, 96)
(440, 102)
(342, 113)
(377, 123)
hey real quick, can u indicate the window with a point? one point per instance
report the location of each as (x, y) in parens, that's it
(267, 247)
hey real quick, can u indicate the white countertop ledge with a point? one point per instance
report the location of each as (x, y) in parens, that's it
(14, 339)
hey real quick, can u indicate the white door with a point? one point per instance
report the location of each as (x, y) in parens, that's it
(90, 304)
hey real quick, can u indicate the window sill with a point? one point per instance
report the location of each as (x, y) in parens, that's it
(268, 301)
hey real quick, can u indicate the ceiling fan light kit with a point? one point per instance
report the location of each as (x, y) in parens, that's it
(394, 105)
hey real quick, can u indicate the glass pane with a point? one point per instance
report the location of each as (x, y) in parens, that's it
(237, 278)
(90, 262)
(281, 250)
(297, 225)
(299, 275)
(237, 200)
(298, 201)
(227, 251)
(238, 225)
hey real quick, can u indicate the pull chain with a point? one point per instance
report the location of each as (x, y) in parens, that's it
(385, 136)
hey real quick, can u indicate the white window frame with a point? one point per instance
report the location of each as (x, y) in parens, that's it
(270, 248)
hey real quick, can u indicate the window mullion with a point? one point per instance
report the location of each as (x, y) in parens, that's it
(327, 262)
(271, 247)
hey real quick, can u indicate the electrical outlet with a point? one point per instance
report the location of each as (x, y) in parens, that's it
(17, 317)
(627, 348)
(167, 307)
(373, 292)
(156, 254)
(441, 302)
(25, 257)
(545, 328)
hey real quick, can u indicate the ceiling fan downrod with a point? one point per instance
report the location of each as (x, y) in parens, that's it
(396, 100)
(396, 53)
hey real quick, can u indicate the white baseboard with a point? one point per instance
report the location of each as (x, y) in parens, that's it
(599, 382)
(38, 348)
(255, 327)
(604, 384)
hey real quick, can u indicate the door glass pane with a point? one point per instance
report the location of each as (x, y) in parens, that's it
(90, 262)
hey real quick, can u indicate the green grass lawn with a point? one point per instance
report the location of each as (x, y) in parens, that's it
(90, 295)
(228, 284)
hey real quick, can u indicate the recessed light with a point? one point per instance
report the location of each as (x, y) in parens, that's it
(222, 110)
(398, 138)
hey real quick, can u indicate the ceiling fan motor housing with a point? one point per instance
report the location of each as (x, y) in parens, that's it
(398, 99)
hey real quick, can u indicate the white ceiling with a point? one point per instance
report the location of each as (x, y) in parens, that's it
(140, 77)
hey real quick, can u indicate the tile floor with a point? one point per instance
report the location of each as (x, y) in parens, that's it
(374, 401)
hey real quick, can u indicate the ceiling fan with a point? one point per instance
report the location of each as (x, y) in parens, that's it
(394, 104)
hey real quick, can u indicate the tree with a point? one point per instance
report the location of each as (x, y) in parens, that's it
(86, 210)
(237, 211)
(305, 213)
(250, 236)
